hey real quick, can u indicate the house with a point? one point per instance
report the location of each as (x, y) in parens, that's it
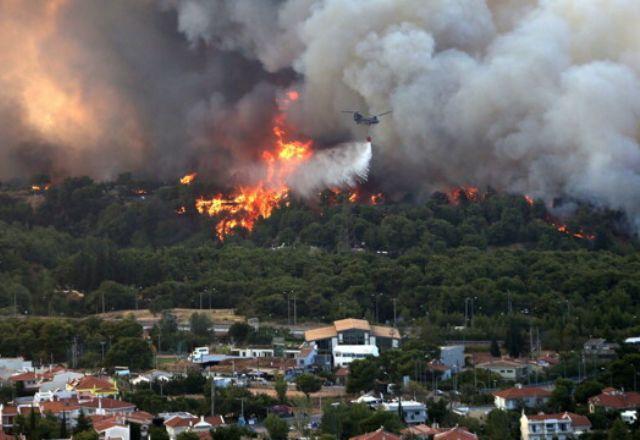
(7, 414)
(342, 374)
(107, 406)
(440, 370)
(600, 348)
(306, 357)
(379, 434)
(345, 340)
(420, 431)
(178, 424)
(152, 376)
(29, 381)
(452, 356)
(611, 399)
(509, 370)
(412, 412)
(94, 386)
(521, 397)
(457, 433)
(560, 426)
(111, 428)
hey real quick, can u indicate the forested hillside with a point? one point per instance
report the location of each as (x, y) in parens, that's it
(63, 249)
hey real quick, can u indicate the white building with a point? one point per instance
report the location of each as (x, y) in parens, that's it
(112, 429)
(560, 426)
(345, 340)
(452, 356)
(520, 397)
(413, 412)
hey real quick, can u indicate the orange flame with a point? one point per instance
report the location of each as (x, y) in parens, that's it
(529, 200)
(188, 179)
(470, 193)
(38, 188)
(580, 234)
(247, 204)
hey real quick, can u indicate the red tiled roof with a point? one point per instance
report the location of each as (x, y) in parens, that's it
(380, 434)
(520, 393)
(107, 403)
(215, 420)
(456, 433)
(105, 423)
(21, 377)
(176, 421)
(342, 372)
(9, 410)
(57, 407)
(421, 429)
(140, 416)
(24, 410)
(611, 398)
(576, 419)
(92, 382)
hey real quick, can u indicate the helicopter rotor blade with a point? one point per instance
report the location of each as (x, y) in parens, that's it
(385, 113)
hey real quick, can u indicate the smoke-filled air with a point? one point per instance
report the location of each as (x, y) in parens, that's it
(531, 97)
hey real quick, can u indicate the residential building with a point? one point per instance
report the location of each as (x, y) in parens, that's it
(379, 434)
(107, 406)
(520, 397)
(560, 426)
(152, 376)
(29, 380)
(509, 370)
(600, 348)
(94, 386)
(179, 424)
(452, 356)
(457, 433)
(611, 399)
(413, 412)
(345, 340)
(62, 410)
(111, 428)
(7, 415)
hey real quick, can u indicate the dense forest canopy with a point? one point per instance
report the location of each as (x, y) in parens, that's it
(64, 249)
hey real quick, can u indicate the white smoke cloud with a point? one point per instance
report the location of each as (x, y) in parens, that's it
(343, 166)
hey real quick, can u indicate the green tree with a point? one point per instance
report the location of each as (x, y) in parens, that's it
(132, 352)
(362, 375)
(502, 425)
(308, 383)
(561, 396)
(86, 435)
(281, 388)
(586, 389)
(495, 348)
(233, 432)
(158, 433)
(188, 435)
(619, 431)
(278, 428)
(200, 324)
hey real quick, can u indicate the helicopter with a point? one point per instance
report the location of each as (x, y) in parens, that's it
(360, 119)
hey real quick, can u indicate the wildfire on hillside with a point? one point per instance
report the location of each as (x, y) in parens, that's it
(188, 179)
(40, 188)
(469, 193)
(560, 227)
(246, 204)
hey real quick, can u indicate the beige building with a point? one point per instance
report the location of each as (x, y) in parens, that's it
(339, 344)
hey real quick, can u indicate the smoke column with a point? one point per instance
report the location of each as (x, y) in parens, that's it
(537, 97)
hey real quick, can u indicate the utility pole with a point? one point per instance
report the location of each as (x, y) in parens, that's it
(102, 297)
(394, 311)
(213, 395)
(15, 304)
(201, 300)
(286, 294)
(209, 292)
(295, 310)
(102, 352)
